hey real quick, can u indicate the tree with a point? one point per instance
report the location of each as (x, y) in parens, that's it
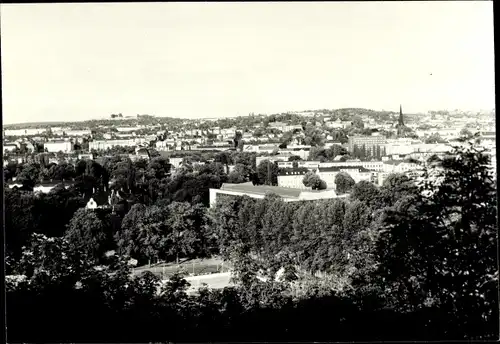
(438, 249)
(294, 158)
(268, 173)
(318, 153)
(127, 237)
(62, 171)
(366, 192)
(236, 178)
(465, 133)
(20, 220)
(313, 136)
(434, 138)
(187, 230)
(357, 122)
(86, 233)
(313, 181)
(397, 186)
(29, 176)
(153, 233)
(344, 182)
(238, 141)
(225, 159)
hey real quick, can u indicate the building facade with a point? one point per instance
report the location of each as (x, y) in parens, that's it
(369, 142)
(58, 146)
(260, 191)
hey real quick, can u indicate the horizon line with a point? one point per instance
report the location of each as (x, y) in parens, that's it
(134, 117)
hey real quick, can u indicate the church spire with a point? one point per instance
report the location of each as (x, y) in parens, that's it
(401, 122)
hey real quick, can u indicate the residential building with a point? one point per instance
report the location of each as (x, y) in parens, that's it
(127, 129)
(274, 158)
(175, 162)
(89, 156)
(357, 173)
(24, 132)
(9, 147)
(292, 178)
(58, 146)
(370, 165)
(268, 148)
(105, 144)
(84, 132)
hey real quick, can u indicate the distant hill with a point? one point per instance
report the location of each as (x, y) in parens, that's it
(149, 120)
(343, 113)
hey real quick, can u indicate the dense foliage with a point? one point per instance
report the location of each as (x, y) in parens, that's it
(411, 260)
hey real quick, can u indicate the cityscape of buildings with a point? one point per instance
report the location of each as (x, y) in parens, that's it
(384, 146)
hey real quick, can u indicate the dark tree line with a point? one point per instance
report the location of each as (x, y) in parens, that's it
(407, 261)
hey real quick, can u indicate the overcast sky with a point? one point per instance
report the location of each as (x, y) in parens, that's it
(80, 61)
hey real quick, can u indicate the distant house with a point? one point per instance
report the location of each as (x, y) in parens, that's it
(358, 173)
(98, 199)
(272, 159)
(89, 156)
(91, 204)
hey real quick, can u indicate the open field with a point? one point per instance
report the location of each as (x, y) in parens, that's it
(192, 267)
(213, 281)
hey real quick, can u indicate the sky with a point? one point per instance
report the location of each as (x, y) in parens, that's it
(195, 60)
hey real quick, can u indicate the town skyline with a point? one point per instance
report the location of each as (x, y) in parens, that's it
(181, 60)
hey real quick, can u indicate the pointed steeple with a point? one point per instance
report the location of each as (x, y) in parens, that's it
(401, 122)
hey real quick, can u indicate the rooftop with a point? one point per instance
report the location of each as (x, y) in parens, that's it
(346, 167)
(262, 189)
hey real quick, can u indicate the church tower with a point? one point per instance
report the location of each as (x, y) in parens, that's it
(400, 122)
(401, 125)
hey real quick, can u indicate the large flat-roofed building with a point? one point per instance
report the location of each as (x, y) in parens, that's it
(369, 142)
(260, 191)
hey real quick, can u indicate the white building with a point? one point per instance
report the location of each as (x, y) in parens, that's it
(105, 144)
(58, 146)
(91, 204)
(260, 191)
(274, 158)
(175, 162)
(399, 166)
(84, 132)
(127, 129)
(292, 179)
(9, 147)
(24, 132)
(328, 174)
(314, 164)
(334, 124)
